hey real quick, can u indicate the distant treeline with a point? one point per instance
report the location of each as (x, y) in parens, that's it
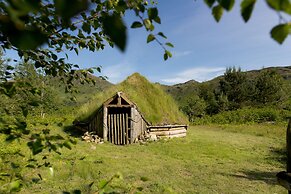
(239, 97)
(29, 91)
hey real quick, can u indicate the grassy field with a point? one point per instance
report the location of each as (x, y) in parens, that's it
(211, 159)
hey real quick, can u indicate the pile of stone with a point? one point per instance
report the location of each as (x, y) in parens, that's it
(92, 137)
(145, 138)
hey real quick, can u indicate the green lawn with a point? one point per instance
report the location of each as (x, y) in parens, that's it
(211, 159)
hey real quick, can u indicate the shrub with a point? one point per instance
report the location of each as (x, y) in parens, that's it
(245, 116)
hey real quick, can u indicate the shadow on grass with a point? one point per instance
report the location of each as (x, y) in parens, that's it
(73, 131)
(278, 155)
(267, 177)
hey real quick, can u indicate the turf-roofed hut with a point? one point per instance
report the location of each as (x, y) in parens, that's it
(143, 108)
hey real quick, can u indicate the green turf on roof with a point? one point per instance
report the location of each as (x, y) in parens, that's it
(155, 105)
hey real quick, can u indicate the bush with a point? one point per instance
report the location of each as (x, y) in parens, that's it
(245, 116)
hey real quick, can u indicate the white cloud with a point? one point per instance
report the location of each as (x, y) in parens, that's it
(181, 53)
(198, 73)
(117, 73)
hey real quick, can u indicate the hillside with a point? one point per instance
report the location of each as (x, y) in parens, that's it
(157, 106)
(182, 91)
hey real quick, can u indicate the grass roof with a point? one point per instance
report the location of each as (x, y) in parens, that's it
(156, 106)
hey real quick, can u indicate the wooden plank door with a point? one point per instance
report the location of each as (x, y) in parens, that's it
(118, 131)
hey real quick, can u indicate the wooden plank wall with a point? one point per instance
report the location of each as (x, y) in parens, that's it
(96, 123)
(138, 125)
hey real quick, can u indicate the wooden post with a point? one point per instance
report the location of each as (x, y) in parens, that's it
(105, 124)
(118, 129)
(288, 144)
(115, 129)
(131, 125)
(112, 128)
(126, 127)
(121, 128)
(110, 124)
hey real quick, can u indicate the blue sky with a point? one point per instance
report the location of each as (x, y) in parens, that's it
(203, 48)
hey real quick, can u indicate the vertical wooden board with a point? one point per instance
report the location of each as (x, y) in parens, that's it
(131, 125)
(120, 129)
(126, 128)
(112, 128)
(117, 129)
(93, 125)
(109, 126)
(104, 123)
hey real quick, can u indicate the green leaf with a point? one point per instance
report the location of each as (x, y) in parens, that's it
(170, 44)
(102, 184)
(152, 13)
(114, 27)
(9, 67)
(280, 5)
(165, 56)
(24, 111)
(168, 53)
(27, 39)
(15, 186)
(209, 3)
(98, 69)
(55, 57)
(68, 8)
(143, 178)
(247, 7)
(157, 19)
(150, 38)
(90, 70)
(76, 51)
(35, 146)
(30, 166)
(33, 3)
(147, 23)
(280, 32)
(217, 12)
(136, 25)
(162, 35)
(227, 4)
(86, 27)
(67, 145)
(77, 191)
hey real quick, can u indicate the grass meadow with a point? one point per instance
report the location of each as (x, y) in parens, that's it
(211, 159)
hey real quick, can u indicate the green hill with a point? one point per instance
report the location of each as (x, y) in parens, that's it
(181, 92)
(156, 106)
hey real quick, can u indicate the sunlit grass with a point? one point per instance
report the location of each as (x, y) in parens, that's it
(211, 159)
